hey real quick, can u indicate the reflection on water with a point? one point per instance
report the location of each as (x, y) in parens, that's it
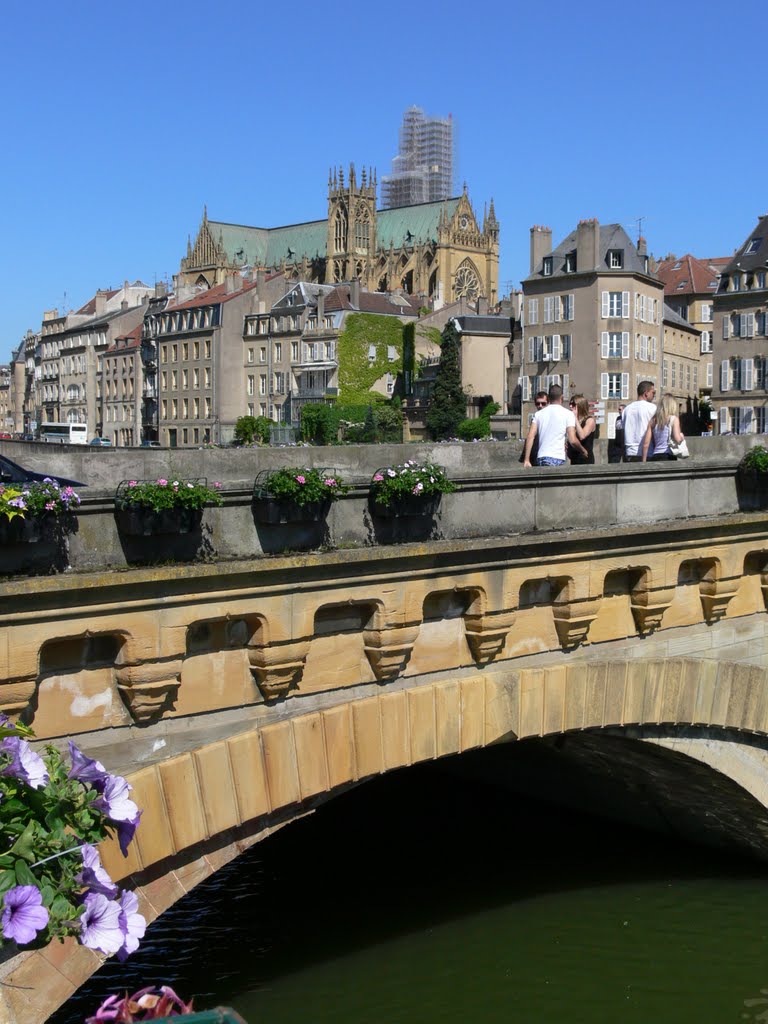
(425, 897)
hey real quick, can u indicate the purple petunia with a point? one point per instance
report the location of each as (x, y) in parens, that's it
(25, 764)
(119, 808)
(86, 769)
(23, 914)
(132, 924)
(126, 831)
(93, 876)
(100, 924)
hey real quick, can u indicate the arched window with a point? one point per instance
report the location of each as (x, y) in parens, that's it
(362, 228)
(340, 230)
(467, 282)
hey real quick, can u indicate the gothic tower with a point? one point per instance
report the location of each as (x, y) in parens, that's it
(351, 246)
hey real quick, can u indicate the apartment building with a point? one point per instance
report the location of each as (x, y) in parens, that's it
(740, 351)
(682, 366)
(690, 285)
(592, 318)
(118, 388)
(6, 402)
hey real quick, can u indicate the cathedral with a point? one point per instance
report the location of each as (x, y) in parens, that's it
(438, 249)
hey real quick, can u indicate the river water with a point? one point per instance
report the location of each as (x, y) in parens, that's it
(429, 896)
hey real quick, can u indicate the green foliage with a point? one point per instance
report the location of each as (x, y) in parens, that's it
(253, 428)
(474, 430)
(393, 482)
(705, 417)
(162, 494)
(36, 499)
(447, 401)
(301, 485)
(319, 423)
(357, 372)
(756, 459)
(489, 409)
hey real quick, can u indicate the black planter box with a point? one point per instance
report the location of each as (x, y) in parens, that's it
(27, 530)
(273, 511)
(408, 505)
(135, 521)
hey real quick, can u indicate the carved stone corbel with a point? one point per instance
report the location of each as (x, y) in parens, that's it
(487, 633)
(278, 667)
(16, 695)
(764, 587)
(149, 689)
(389, 649)
(648, 607)
(716, 596)
(573, 619)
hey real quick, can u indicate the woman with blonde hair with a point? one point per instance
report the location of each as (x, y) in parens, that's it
(664, 426)
(586, 425)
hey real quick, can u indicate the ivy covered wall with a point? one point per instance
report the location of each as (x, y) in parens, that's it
(366, 335)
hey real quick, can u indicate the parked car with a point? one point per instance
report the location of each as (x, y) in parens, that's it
(5, 436)
(100, 442)
(150, 444)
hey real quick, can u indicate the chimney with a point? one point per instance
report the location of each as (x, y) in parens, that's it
(482, 305)
(233, 282)
(320, 307)
(261, 277)
(541, 244)
(354, 292)
(100, 302)
(124, 304)
(588, 244)
(642, 246)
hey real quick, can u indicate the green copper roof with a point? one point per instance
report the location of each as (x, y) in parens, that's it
(269, 246)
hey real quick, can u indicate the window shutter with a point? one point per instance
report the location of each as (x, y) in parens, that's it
(746, 420)
(748, 375)
(625, 305)
(750, 325)
(625, 386)
(525, 388)
(531, 349)
(726, 325)
(536, 384)
(604, 343)
(548, 310)
(603, 385)
(566, 385)
(653, 349)
(637, 305)
(566, 347)
(710, 369)
(723, 419)
(605, 306)
(742, 325)
(556, 308)
(572, 304)
(724, 369)
(556, 348)
(637, 346)
(625, 345)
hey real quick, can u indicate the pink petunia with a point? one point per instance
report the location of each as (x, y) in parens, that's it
(301, 479)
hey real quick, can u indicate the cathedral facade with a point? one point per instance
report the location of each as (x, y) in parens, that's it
(439, 249)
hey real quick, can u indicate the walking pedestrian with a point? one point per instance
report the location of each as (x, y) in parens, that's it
(663, 428)
(636, 418)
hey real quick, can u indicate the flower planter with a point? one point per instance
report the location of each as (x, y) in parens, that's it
(27, 530)
(408, 505)
(273, 511)
(138, 521)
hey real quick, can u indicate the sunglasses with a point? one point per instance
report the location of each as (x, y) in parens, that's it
(540, 405)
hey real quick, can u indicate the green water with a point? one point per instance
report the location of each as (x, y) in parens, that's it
(428, 897)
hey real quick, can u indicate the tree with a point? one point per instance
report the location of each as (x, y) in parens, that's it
(447, 401)
(252, 428)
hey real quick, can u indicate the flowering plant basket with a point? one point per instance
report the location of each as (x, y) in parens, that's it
(26, 509)
(293, 495)
(147, 507)
(411, 489)
(52, 816)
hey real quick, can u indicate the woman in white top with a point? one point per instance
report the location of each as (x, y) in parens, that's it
(664, 426)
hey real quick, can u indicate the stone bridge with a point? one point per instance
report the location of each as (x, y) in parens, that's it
(239, 695)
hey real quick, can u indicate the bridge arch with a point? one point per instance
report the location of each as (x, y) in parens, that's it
(206, 806)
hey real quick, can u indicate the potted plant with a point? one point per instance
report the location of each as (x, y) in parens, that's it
(144, 508)
(295, 495)
(411, 489)
(27, 510)
(752, 477)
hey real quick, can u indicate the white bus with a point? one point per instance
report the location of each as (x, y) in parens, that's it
(64, 433)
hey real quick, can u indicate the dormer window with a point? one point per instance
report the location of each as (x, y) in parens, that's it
(547, 266)
(736, 282)
(615, 259)
(752, 246)
(570, 263)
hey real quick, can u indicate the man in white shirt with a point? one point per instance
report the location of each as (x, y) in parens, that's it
(636, 418)
(552, 425)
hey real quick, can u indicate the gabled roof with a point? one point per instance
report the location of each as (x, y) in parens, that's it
(211, 296)
(686, 276)
(753, 253)
(612, 236)
(489, 325)
(385, 303)
(89, 308)
(126, 342)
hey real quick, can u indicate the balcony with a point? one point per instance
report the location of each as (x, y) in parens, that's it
(321, 392)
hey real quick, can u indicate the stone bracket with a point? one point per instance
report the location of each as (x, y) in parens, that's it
(149, 689)
(389, 649)
(716, 596)
(648, 607)
(573, 619)
(487, 633)
(16, 695)
(278, 667)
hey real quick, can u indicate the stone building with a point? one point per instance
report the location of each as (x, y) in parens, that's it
(438, 250)
(592, 318)
(690, 285)
(681, 366)
(740, 351)
(118, 389)
(7, 423)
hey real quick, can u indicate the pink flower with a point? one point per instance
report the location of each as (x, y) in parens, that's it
(162, 483)
(301, 479)
(330, 482)
(418, 488)
(378, 478)
(216, 483)
(50, 506)
(133, 483)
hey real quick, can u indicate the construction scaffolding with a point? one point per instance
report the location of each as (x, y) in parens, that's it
(422, 171)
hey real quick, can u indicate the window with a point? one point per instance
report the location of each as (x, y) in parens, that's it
(710, 375)
(312, 323)
(664, 373)
(174, 353)
(294, 351)
(688, 377)
(174, 379)
(548, 311)
(568, 303)
(185, 350)
(196, 408)
(570, 262)
(752, 246)
(278, 351)
(207, 408)
(566, 347)
(760, 283)
(185, 378)
(614, 385)
(185, 409)
(251, 385)
(614, 344)
(726, 326)
(163, 382)
(196, 378)
(706, 341)
(196, 350)
(615, 304)
(263, 384)
(185, 436)
(175, 409)
(250, 355)
(263, 409)
(279, 383)
(262, 355)
(736, 282)
(328, 322)
(533, 311)
(164, 410)
(615, 259)
(706, 312)
(207, 376)
(547, 266)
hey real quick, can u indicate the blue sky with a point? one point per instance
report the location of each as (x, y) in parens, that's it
(121, 121)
